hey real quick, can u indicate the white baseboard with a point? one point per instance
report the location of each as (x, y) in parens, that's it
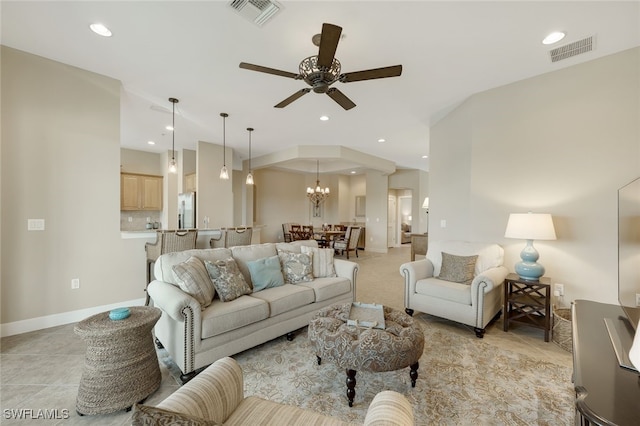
(33, 324)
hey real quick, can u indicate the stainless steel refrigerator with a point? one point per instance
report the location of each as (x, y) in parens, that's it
(187, 210)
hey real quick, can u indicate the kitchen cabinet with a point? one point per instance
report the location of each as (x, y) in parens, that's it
(140, 192)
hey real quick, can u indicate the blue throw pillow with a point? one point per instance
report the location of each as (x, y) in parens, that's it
(265, 273)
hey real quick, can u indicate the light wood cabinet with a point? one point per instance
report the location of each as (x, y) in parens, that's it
(140, 192)
(190, 182)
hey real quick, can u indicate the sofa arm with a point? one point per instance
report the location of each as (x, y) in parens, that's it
(346, 269)
(172, 300)
(214, 394)
(389, 408)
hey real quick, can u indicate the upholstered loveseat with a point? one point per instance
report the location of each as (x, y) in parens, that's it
(217, 395)
(197, 328)
(458, 280)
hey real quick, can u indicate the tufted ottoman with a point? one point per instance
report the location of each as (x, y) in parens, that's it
(354, 348)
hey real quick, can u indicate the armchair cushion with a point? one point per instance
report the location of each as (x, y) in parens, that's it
(458, 269)
(227, 279)
(193, 279)
(145, 415)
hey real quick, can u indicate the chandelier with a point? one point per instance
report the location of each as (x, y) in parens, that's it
(317, 195)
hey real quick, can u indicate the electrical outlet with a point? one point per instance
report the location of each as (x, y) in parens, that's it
(75, 283)
(638, 300)
(559, 289)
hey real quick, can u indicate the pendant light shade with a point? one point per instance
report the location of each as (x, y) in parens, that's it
(173, 168)
(250, 175)
(224, 173)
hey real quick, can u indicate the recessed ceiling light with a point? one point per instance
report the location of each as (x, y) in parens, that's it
(151, 142)
(169, 128)
(353, 172)
(324, 118)
(100, 30)
(554, 37)
(425, 156)
(382, 140)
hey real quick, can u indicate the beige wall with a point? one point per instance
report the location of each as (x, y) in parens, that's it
(561, 143)
(216, 201)
(60, 162)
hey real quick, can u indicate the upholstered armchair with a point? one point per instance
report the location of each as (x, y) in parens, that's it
(460, 281)
(349, 242)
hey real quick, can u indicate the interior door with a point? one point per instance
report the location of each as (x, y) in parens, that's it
(392, 222)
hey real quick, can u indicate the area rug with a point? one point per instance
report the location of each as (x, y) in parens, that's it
(462, 381)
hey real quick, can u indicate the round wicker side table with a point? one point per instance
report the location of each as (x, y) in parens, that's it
(121, 365)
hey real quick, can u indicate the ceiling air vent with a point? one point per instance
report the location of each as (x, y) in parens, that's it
(572, 49)
(257, 11)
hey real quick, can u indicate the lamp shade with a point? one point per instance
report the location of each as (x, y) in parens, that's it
(530, 226)
(425, 203)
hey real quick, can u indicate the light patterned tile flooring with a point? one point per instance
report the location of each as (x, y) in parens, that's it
(41, 370)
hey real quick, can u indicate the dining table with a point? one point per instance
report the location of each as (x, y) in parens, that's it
(324, 237)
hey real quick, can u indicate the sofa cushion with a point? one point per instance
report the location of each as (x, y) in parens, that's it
(244, 254)
(296, 267)
(145, 415)
(447, 290)
(221, 317)
(490, 255)
(322, 261)
(265, 273)
(227, 279)
(163, 265)
(257, 411)
(328, 288)
(296, 246)
(193, 279)
(285, 298)
(459, 269)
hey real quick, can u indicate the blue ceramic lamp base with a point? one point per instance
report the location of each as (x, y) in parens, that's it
(529, 268)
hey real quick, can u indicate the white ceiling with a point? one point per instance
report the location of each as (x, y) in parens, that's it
(191, 51)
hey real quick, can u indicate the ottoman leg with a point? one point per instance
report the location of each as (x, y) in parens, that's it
(351, 386)
(319, 360)
(414, 374)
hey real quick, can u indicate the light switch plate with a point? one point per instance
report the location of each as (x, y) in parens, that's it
(35, 224)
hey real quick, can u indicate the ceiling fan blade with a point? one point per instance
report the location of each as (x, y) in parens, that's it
(385, 72)
(267, 70)
(340, 98)
(328, 44)
(292, 98)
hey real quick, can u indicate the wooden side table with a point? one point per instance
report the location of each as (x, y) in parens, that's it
(419, 243)
(528, 302)
(121, 364)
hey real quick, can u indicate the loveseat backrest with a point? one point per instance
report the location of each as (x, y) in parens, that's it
(490, 255)
(163, 267)
(245, 254)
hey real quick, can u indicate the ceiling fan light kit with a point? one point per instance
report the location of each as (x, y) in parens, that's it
(322, 70)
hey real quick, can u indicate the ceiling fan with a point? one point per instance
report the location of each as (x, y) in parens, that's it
(322, 70)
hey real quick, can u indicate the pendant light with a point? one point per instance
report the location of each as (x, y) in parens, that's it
(224, 173)
(173, 168)
(250, 175)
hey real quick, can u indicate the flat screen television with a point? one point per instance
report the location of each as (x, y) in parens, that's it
(622, 330)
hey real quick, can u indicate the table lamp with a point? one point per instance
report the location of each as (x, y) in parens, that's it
(530, 226)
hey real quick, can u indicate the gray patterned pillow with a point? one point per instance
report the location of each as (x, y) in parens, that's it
(193, 279)
(227, 279)
(296, 267)
(145, 415)
(457, 269)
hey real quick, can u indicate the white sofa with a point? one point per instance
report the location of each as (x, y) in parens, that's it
(217, 395)
(195, 338)
(474, 304)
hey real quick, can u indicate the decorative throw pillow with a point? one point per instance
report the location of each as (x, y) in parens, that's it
(296, 267)
(265, 273)
(193, 279)
(145, 415)
(322, 261)
(227, 279)
(457, 269)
